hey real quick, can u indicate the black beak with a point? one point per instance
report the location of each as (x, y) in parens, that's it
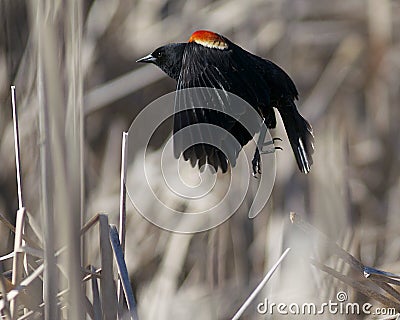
(147, 59)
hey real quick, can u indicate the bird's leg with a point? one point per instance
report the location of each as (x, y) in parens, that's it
(256, 162)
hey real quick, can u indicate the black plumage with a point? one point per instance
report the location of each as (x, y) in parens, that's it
(211, 60)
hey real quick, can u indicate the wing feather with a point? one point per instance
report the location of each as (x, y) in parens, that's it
(223, 71)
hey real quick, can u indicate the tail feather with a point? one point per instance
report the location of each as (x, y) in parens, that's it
(300, 136)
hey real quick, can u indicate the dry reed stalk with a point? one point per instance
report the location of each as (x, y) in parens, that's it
(366, 285)
(46, 183)
(15, 292)
(118, 88)
(75, 118)
(371, 292)
(25, 237)
(4, 288)
(91, 274)
(97, 315)
(109, 300)
(379, 19)
(105, 300)
(346, 54)
(17, 147)
(163, 287)
(62, 191)
(122, 202)
(122, 210)
(18, 260)
(74, 154)
(260, 286)
(359, 89)
(92, 221)
(123, 274)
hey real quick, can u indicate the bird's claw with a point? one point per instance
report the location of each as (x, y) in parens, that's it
(256, 163)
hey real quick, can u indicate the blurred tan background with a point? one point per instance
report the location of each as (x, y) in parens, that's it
(344, 57)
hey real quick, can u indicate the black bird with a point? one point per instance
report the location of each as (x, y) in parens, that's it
(211, 60)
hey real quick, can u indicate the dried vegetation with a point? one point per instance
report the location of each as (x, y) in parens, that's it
(78, 89)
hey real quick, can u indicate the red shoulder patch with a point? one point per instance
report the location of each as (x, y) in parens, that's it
(208, 39)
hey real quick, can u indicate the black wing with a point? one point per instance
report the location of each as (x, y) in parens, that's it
(283, 96)
(227, 71)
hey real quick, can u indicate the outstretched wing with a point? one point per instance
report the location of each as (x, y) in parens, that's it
(209, 113)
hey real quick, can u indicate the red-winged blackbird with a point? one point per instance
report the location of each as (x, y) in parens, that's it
(213, 61)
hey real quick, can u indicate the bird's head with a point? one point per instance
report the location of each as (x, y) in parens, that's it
(168, 58)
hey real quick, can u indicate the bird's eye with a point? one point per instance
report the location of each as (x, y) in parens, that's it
(159, 54)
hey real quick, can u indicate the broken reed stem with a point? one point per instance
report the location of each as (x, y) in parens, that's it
(372, 272)
(260, 286)
(123, 272)
(17, 269)
(8, 224)
(89, 274)
(122, 206)
(16, 146)
(92, 221)
(97, 315)
(366, 290)
(322, 239)
(107, 284)
(3, 289)
(357, 266)
(46, 165)
(24, 283)
(122, 203)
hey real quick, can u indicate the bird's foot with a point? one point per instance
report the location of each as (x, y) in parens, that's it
(256, 163)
